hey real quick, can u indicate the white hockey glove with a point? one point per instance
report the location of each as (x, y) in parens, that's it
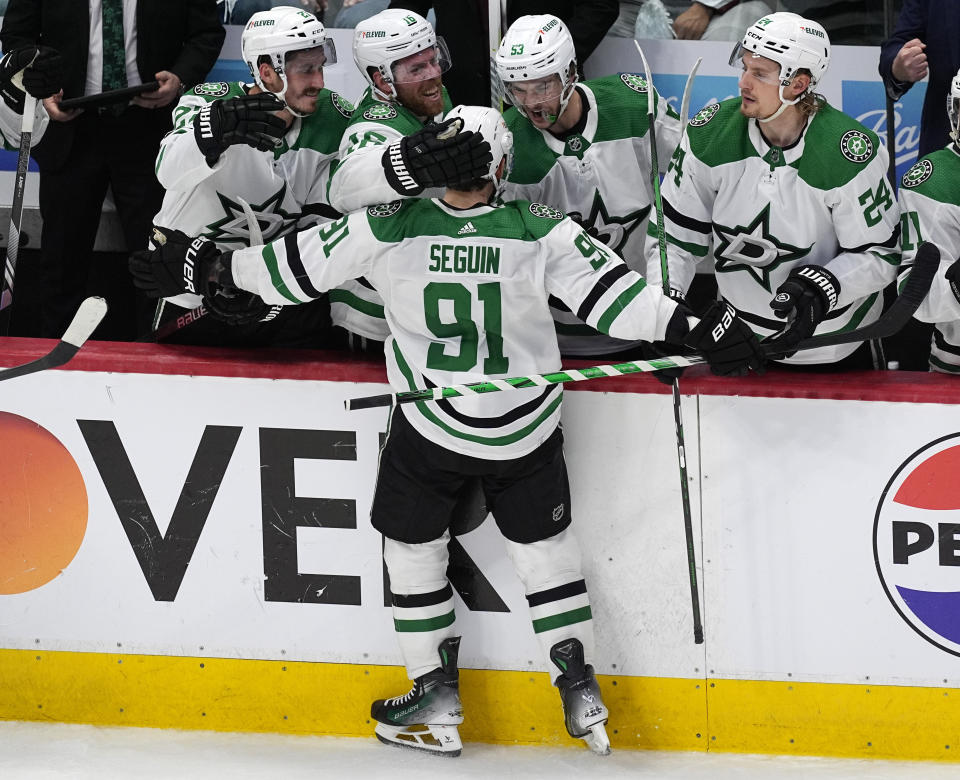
(439, 155)
(809, 294)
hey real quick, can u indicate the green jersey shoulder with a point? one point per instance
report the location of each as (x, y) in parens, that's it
(323, 129)
(394, 115)
(935, 176)
(415, 217)
(836, 148)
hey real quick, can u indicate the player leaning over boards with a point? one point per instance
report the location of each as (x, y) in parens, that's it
(790, 197)
(269, 144)
(491, 267)
(582, 148)
(930, 207)
(396, 145)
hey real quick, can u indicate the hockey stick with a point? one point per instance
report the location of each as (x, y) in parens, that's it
(925, 265)
(496, 13)
(685, 101)
(84, 322)
(665, 282)
(16, 209)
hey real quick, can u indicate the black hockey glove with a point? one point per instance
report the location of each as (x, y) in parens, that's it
(677, 330)
(237, 307)
(249, 119)
(727, 342)
(37, 70)
(439, 155)
(590, 230)
(181, 264)
(953, 277)
(807, 296)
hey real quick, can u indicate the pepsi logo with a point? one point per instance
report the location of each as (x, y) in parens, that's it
(916, 542)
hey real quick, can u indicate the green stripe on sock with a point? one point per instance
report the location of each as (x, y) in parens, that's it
(563, 619)
(427, 624)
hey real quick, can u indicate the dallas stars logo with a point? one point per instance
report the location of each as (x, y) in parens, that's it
(754, 249)
(613, 231)
(233, 228)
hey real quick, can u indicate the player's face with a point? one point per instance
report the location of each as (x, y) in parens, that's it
(759, 87)
(417, 80)
(539, 99)
(305, 79)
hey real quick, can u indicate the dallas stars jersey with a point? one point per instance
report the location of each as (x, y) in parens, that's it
(359, 181)
(284, 187)
(600, 176)
(930, 211)
(465, 293)
(762, 210)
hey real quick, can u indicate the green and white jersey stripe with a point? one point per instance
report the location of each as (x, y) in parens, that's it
(600, 176)
(465, 294)
(757, 211)
(930, 211)
(358, 181)
(285, 188)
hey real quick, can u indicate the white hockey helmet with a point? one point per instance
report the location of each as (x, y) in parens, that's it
(276, 33)
(534, 47)
(953, 109)
(489, 124)
(384, 39)
(791, 41)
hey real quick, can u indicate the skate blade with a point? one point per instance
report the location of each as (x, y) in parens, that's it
(597, 740)
(439, 740)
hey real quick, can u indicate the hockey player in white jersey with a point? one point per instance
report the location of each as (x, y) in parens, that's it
(465, 285)
(396, 145)
(789, 197)
(581, 147)
(255, 157)
(930, 211)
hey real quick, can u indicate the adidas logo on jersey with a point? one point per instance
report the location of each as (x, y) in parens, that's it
(468, 228)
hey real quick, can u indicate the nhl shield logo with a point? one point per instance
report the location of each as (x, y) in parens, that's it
(917, 174)
(856, 146)
(916, 542)
(704, 115)
(380, 111)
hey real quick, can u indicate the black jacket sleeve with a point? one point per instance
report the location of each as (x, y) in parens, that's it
(912, 23)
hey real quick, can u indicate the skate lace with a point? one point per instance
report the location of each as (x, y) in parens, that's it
(398, 700)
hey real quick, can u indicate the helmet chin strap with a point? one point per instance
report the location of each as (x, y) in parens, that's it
(783, 106)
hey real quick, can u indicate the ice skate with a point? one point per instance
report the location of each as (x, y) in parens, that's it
(426, 718)
(583, 710)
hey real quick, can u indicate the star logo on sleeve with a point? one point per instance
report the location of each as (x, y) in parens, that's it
(753, 249)
(233, 227)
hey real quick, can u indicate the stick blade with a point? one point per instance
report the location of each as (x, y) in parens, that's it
(85, 321)
(925, 265)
